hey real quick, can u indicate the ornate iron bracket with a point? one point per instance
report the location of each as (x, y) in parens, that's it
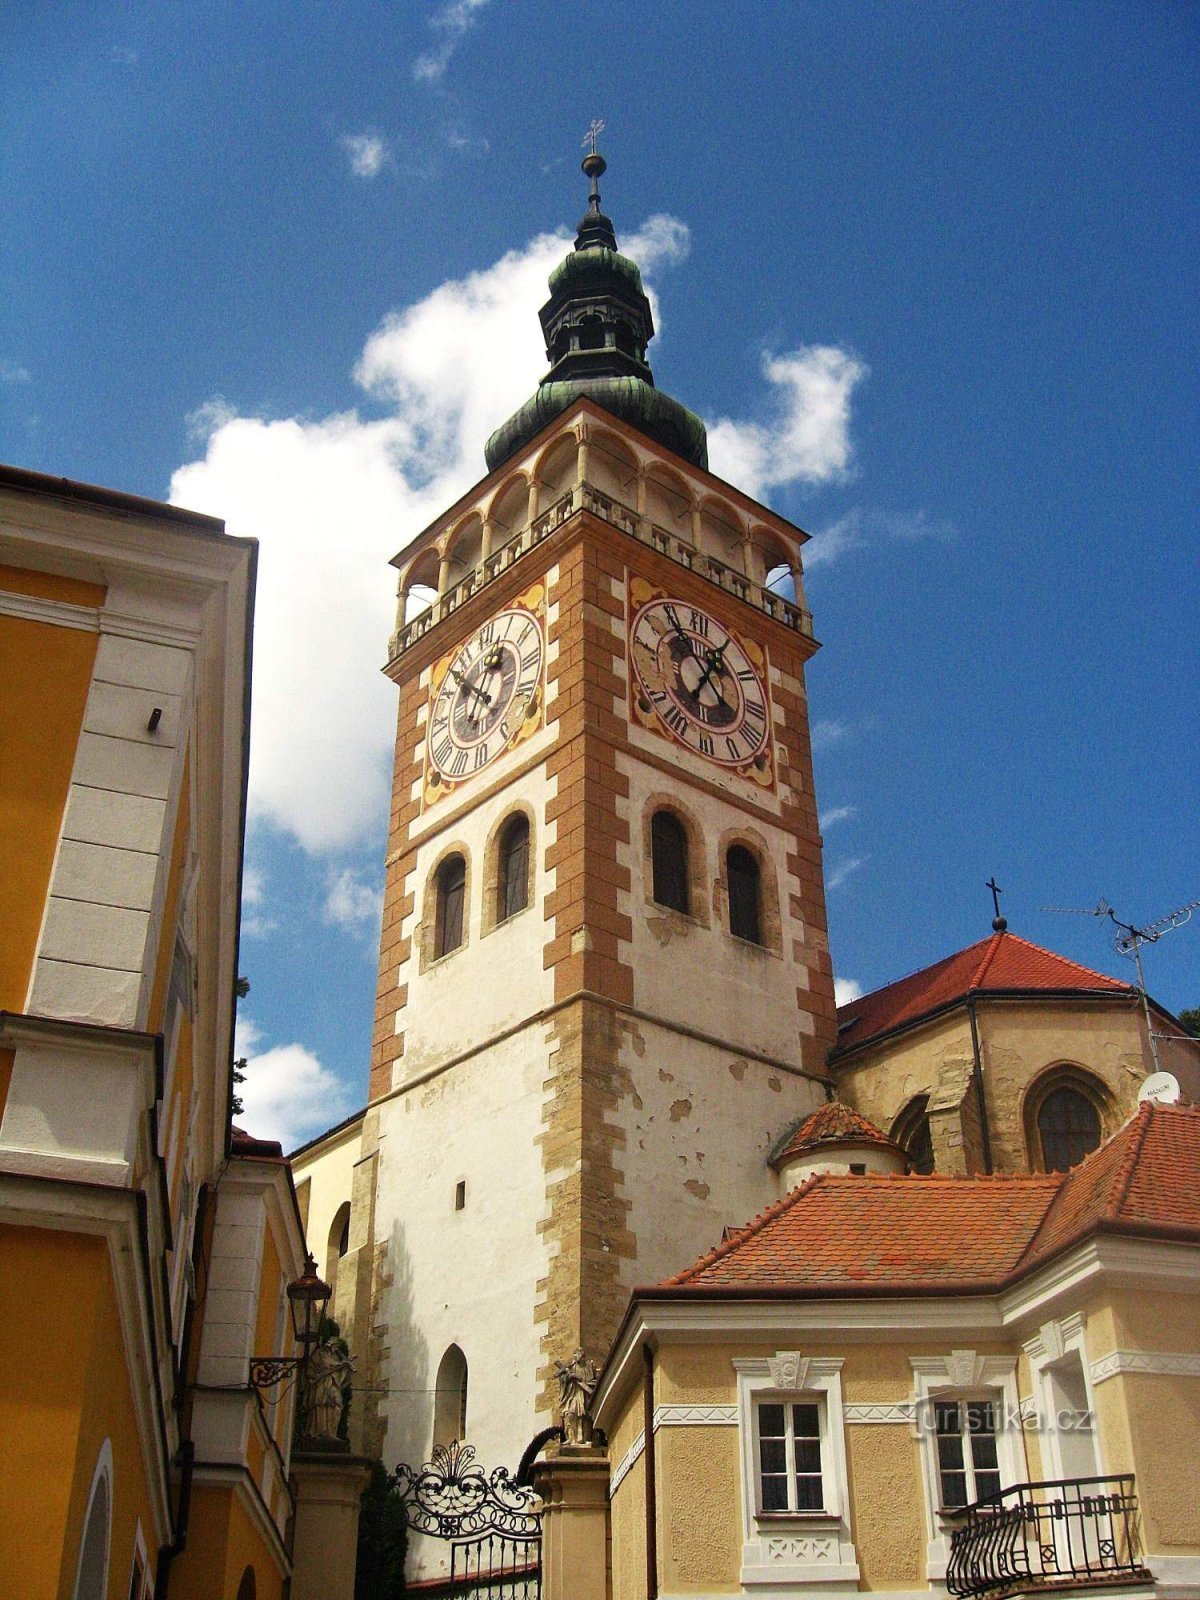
(267, 1371)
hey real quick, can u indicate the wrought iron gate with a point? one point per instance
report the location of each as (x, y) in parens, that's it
(493, 1524)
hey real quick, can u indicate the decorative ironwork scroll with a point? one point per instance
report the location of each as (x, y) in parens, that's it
(452, 1498)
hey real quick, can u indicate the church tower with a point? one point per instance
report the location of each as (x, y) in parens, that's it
(604, 986)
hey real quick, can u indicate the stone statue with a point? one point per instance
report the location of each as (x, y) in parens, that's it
(576, 1383)
(328, 1368)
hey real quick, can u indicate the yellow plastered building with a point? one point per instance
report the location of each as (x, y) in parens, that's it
(903, 1384)
(145, 1249)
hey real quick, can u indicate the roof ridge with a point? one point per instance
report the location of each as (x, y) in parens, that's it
(754, 1226)
(1129, 1161)
(930, 966)
(989, 955)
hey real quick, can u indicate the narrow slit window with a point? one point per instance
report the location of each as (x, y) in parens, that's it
(669, 860)
(451, 893)
(513, 884)
(745, 894)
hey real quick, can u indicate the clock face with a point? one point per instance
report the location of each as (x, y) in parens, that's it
(700, 683)
(489, 690)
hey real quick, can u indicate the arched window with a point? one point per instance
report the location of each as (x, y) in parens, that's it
(451, 893)
(1068, 1126)
(911, 1133)
(450, 1398)
(91, 1578)
(338, 1242)
(248, 1587)
(512, 883)
(669, 860)
(745, 896)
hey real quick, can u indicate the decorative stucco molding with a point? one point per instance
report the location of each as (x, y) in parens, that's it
(694, 1416)
(896, 1411)
(627, 1460)
(1158, 1363)
(32, 608)
(788, 1369)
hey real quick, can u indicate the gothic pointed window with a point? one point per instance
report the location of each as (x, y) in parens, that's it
(450, 1398)
(513, 876)
(745, 894)
(451, 893)
(669, 859)
(1068, 1128)
(912, 1133)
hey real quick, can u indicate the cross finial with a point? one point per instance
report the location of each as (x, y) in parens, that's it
(595, 129)
(999, 923)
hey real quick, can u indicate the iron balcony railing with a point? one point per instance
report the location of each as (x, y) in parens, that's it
(583, 497)
(1047, 1535)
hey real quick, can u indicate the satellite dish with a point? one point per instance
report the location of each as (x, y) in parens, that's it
(1160, 1087)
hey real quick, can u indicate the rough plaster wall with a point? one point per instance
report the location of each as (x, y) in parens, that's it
(889, 1512)
(698, 1124)
(1019, 1042)
(1152, 1321)
(700, 1498)
(882, 1081)
(627, 1523)
(1164, 1424)
(464, 1277)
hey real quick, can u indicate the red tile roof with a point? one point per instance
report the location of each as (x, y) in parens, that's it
(833, 1124)
(839, 1234)
(1146, 1178)
(1003, 963)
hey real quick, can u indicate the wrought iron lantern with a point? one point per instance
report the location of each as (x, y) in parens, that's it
(308, 1299)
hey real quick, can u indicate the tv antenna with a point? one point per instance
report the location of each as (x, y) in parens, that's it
(1129, 941)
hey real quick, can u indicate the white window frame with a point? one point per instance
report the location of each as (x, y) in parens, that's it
(790, 1548)
(962, 1375)
(1055, 1342)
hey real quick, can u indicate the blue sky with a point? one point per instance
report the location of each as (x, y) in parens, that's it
(928, 270)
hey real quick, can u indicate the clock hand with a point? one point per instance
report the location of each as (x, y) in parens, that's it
(716, 662)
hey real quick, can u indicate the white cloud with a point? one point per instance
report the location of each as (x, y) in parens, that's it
(369, 153)
(123, 56)
(331, 500)
(843, 870)
(288, 1095)
(845, 990)
(861, 527)
(828, 731)
(352, 904)
(835, 814)
(256, 923)
(13, 372)
(450, 24)
(807, 439)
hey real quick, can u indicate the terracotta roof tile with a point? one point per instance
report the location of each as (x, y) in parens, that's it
(1146, 1175)
(835, 1233)
(1003, 962)
(832, 1124)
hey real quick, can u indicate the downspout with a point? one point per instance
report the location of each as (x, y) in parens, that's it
(651, 1491)
(977, 1074)
(168, 1552)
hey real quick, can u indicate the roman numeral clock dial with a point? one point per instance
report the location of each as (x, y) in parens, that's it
(485, 696)
(699, 684)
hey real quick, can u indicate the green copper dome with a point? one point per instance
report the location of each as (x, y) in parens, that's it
(597, 324)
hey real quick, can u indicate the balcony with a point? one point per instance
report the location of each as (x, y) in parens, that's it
(1073, 1533)
(584, 497)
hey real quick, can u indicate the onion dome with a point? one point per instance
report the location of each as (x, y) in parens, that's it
(597, 324)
